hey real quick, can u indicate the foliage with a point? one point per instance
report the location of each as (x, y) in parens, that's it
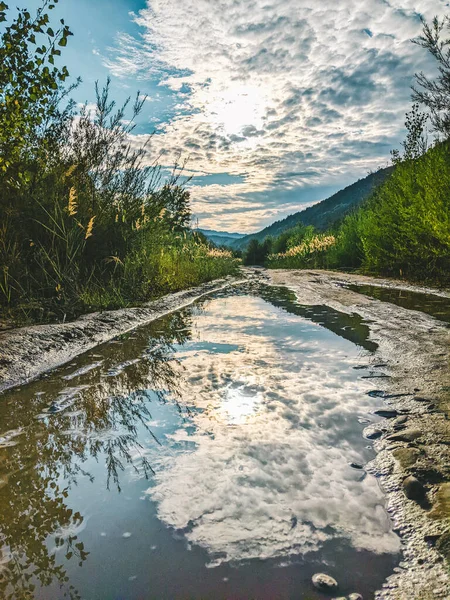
(406, 227)
(85, 222)
(30, 84)
(309, 250)
(257, 252)
(434, 94)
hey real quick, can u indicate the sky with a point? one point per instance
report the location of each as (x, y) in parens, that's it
(273, 104)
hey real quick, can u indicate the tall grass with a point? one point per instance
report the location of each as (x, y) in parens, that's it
(87, 221)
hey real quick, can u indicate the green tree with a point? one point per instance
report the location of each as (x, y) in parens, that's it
(257, 252)
(30, 84)
(434, 93)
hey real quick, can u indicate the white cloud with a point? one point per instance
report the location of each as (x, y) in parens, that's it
(279, 86)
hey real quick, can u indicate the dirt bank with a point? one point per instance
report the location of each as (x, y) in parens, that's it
(27, 352)
(414, 350)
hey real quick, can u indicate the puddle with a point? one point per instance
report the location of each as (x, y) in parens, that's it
(216, 453)
(436, 306)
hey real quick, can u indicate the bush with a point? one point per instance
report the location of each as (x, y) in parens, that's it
(312, 252)
(405, 230)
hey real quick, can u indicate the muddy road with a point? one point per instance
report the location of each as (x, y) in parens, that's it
(407, 367)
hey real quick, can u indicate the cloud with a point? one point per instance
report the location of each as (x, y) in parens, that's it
(270, 446)
(268, 88)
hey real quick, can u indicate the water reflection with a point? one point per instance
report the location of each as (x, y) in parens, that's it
(51, 433)
(436, 306)
(229, 428)
(291, 388)
(350, 327)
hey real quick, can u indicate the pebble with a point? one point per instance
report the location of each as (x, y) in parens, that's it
(324, 582)
(355, 597)
(372, 433)
(413, 489)
(406, 456)
(400, 420)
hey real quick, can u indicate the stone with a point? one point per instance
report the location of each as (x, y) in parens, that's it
(441, 507)
(407, 457)
(407, 435)
(355, 596)
(399, 422)
(413, 489)
(372, 433)
(443, 545)
(324, 582)
(386, 413)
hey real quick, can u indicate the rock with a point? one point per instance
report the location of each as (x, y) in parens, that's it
(400, 421)
(443, 545)
(372, 433)
(413, 489)
(324, 582)
(408, 435)
(441, 508)
(386, 413)
(356, 466)
(355, 597)
(407, 457)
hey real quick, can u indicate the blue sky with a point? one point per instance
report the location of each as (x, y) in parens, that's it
(275, 104)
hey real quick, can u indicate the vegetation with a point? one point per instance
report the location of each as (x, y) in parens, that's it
(322, 215)
(84, 223)
(403, 229)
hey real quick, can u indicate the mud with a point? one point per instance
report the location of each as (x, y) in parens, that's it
(413, 440)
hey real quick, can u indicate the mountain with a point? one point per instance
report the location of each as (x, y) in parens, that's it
(325, 213)
(221, 238)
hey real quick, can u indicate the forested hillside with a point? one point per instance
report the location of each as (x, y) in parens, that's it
(324, 214)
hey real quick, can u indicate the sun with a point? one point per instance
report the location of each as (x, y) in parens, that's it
(235, 108)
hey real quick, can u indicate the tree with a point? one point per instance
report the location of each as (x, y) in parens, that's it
(257, 252)
(30, 83)
(434, 94)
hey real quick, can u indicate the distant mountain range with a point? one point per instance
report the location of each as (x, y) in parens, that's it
(322, 215)
(221, 238)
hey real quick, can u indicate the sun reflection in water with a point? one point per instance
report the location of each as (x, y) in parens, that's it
(241, 401)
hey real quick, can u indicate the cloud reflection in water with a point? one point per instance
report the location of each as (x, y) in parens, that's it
(276, 427)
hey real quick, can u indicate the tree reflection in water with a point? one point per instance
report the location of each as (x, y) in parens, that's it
(48, 431)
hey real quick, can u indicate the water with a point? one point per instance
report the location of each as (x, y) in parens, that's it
(436, 306)
(204, 456)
